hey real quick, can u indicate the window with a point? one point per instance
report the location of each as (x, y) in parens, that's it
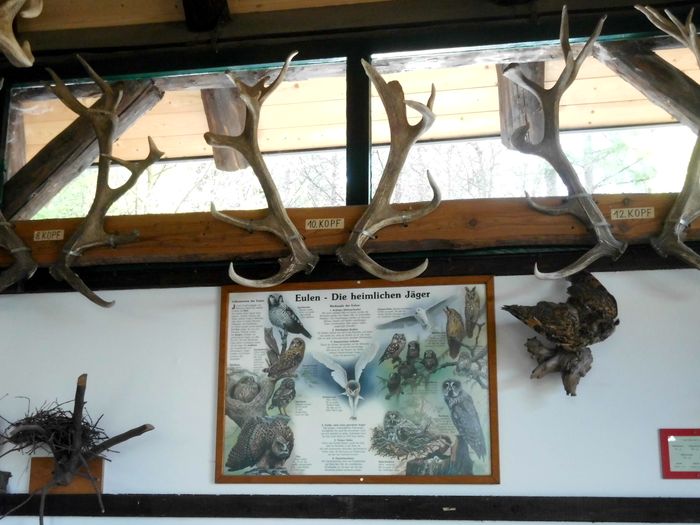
(617, 139)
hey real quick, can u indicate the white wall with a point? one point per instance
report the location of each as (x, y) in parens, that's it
(153, 358)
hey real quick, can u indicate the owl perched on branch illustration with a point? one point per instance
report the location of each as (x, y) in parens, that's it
(464, 416)
(472, 310)
(284, 395)
(588, 316)
(394, 348)
(288, 361)
(284, 318)
(454, 331)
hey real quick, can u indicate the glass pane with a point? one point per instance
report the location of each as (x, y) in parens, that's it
(304, 118)
(639, 160)
(304, 180)
(617, 146)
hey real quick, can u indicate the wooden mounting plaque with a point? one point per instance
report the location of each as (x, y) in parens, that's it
(41, 473)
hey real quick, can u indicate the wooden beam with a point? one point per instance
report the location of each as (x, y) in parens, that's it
(663, 84)
(518, 107)
(455, 225)
(69, 153)
(205, 15)
(16, 143)
(225, 112)
(453, 508)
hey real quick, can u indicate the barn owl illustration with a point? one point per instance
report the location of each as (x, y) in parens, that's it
(287, 363)
(264, 442)
(351, 387)
(394, 349)
(284, 395)
(464, 415)
(472, 310)
(245, 390)
(284, 318)
(588, 316)
(454, 330)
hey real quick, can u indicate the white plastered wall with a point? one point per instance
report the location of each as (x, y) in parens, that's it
(152, 358)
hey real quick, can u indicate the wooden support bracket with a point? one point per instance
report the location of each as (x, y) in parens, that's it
(659, 81)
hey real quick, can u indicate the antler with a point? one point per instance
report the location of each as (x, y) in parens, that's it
(579, 203)
(686, 208)
(276, 221)
(379, 214)
(91, 233)
(24, 266)
(18, 55)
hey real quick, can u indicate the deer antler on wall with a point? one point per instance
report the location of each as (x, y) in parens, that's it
(91, 233)
(24, 265)
(276, 221)
(686, 208)
(579, 202)
(18, 55)
(379, 214)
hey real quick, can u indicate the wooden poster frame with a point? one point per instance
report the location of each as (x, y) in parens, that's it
(445, 459)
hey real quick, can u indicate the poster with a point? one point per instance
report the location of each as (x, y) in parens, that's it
(358, 382)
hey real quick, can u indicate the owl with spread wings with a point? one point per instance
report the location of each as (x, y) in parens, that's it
(351, 387)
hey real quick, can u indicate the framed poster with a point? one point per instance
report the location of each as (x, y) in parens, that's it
(680, 453)
(358, 382)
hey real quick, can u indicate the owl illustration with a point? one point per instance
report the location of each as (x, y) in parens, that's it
(430, 361)
(464, 415)
(420, 316)
(351, 387)
(284, 318)
(284, 395)
(265, 443)
(393, 385)
(394, 349)
(407, 371)
(454, 330)
(245, 389)
(472, 310)
(588, 316)
(412, 352)
(392, 419)
(287, 363)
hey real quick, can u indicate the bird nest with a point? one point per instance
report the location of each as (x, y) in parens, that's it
(51, 428)
(403, 442)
